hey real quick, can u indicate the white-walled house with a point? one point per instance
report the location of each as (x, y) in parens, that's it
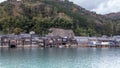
(100, 41)
(92, 41)
(117, 39)
(82, 41)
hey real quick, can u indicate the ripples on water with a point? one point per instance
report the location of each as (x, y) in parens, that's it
(60, 58)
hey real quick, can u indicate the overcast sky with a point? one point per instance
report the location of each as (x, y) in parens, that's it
(2, 0)
(98, 6)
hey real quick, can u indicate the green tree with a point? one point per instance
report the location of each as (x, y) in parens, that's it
(17, 30)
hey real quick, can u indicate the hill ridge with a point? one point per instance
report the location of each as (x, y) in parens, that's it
(40, 15)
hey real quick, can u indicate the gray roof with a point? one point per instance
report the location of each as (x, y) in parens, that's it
(81, 39)
(25, 35)
(118, 36)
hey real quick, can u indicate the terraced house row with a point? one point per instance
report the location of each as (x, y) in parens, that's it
(57, 38)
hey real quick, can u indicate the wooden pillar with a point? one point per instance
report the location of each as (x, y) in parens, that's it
(23, 42)
(16, 42)
(8, 43)
(44, 43)
(31, 40)
(1, 42)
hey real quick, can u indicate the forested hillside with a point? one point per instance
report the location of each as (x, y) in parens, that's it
(40, 15)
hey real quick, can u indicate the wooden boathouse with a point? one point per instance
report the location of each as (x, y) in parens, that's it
(57, 37)
(62, 37)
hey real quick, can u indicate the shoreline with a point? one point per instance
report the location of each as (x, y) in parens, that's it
(78, 46)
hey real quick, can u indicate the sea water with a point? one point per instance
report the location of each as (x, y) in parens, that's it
(60, 58)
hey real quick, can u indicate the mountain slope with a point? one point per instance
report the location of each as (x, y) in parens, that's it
(40, 15)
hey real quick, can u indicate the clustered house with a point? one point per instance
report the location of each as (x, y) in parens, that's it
(97, 41)
(117, 39)
(102, 42)
(21, 40)
(57, 38)
(82, 41)
(60, 38)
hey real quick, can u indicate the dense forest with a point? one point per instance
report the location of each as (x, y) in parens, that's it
(40, 15)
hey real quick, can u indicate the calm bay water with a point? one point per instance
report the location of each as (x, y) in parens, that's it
(60, 58)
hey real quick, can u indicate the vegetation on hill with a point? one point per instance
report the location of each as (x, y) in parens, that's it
(40, 15)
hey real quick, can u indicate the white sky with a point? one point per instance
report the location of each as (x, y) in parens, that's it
(98, 6)
(2, 0)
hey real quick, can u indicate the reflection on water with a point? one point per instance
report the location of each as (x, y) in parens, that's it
(60, 58)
